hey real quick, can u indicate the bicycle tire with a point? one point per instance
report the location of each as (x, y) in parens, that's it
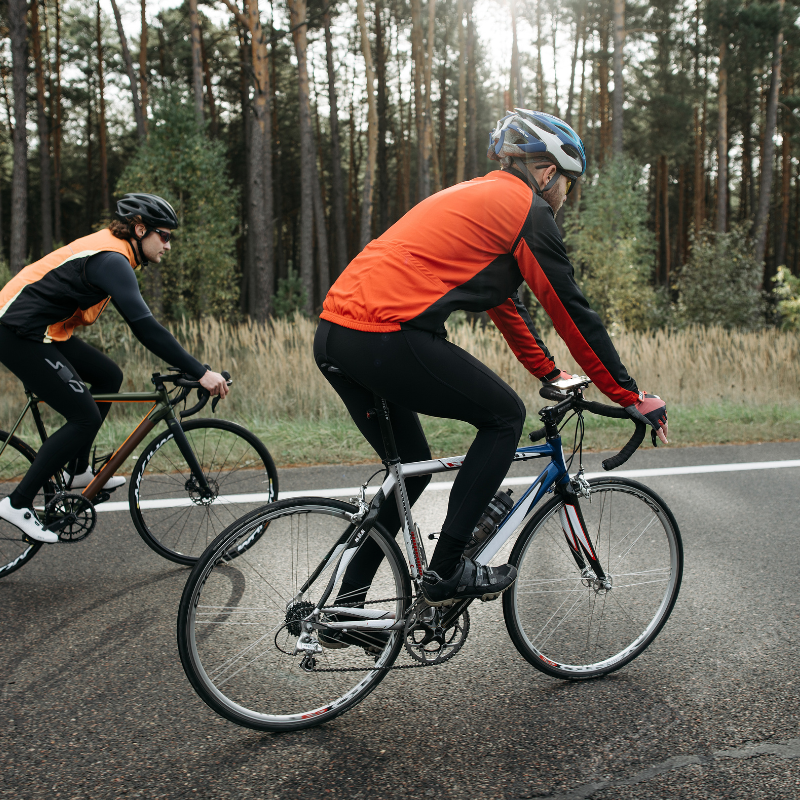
(166, 507)
(15, 552)
(561, 623)
(230, 608)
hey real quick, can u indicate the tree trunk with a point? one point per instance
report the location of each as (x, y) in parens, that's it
(372, 130)
(91, 186)
(665, 206)
(472, 105)
(699, 177)
(143, 64)
(57, 132)
(126, 57)
(619, 81)
(427, 118)
(352, 190)
(101, 85)
(602, 72)
(461, 122)
(45, 186)
(320, 228)
(539, 69)
(17, 12)
(573, 64)
(657, 217)
(337, 185)
(722, 141)
(261, 240)
(298, 14)
(212, 106)
(197, 62)
(440, 160)
(383, 120)
(747, 196)
(765, 190)
(515, 95)
(418, 70)
(680, 237)
(786, 179)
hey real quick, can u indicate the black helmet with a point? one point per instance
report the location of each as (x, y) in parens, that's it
(155, 211)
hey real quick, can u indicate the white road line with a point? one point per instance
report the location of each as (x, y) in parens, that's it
(445, 486)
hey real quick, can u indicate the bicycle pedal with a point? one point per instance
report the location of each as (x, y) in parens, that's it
(102, 496)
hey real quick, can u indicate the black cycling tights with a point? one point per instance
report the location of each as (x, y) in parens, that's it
(55, 373)
(419, 372)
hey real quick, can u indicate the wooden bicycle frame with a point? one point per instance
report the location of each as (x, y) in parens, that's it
(162, 409)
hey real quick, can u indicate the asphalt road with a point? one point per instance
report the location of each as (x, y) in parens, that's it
(95, 703)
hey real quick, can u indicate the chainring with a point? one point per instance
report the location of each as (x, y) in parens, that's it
(427, 641)
(71, 516)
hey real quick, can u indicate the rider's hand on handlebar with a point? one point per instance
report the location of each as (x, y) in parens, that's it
(554, 376)
(650, 408)
(214, 384)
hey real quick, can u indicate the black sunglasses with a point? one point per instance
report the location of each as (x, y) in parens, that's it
(167, 235)
(570, 183)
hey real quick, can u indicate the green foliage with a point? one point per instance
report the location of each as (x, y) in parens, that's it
(719, 285)
(787, 294)
(290, 298)
(612, 249)
(180, 163)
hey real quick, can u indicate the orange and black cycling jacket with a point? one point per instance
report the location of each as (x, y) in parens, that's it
(470, 247)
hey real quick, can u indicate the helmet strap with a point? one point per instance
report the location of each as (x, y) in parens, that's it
(143, 262)
(523, 168)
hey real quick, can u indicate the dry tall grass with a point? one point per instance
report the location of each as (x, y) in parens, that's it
(276, 378)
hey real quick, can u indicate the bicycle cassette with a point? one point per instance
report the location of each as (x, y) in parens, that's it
(427, 641)
(71, 516)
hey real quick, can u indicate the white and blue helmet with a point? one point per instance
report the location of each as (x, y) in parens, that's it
(523, 133)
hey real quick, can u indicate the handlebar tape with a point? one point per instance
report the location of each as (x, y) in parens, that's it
(633, 444)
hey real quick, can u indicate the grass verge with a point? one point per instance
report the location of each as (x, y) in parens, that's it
(308, 442)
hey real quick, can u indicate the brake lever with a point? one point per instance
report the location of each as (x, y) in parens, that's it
(654, 437)
(214, 404)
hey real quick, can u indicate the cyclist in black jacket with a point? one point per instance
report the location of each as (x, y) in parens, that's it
(42, 306)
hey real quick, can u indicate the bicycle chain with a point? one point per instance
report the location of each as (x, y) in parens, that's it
(371, 669)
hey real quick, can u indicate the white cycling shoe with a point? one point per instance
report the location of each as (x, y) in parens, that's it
(26, 521)
(85, 478)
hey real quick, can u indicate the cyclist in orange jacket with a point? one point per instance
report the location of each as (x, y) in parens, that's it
(468, 247)
(40, 309)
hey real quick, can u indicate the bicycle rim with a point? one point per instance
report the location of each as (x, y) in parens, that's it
(168, 507)
(14, 463)
(558, 620)
(239, 620)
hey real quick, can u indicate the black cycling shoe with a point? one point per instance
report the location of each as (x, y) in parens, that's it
(469, 581)
(373, 642)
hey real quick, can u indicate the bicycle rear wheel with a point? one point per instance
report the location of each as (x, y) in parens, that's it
(239, 621)
(558, 620)
(14, 463)
(168, 509)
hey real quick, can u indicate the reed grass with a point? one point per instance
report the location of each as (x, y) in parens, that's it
(721, 386)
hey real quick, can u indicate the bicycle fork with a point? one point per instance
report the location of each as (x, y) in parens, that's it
(578, 540)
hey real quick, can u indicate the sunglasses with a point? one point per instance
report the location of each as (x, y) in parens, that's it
(167, 235)
(570, 183)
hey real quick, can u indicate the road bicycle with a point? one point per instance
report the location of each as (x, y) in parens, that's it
(599, 569)
(186, 487)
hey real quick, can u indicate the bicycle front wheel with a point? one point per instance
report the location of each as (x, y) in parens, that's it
(169, 510)
(239, 621)
(14, 463)
(558, 619)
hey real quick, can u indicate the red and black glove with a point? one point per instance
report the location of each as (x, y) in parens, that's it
(651, 410)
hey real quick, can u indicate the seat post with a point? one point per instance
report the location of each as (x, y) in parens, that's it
(381, 411)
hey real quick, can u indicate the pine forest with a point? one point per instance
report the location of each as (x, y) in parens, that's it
(289, 136)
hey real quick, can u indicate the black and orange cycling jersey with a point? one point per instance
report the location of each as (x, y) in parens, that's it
(470, 247)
